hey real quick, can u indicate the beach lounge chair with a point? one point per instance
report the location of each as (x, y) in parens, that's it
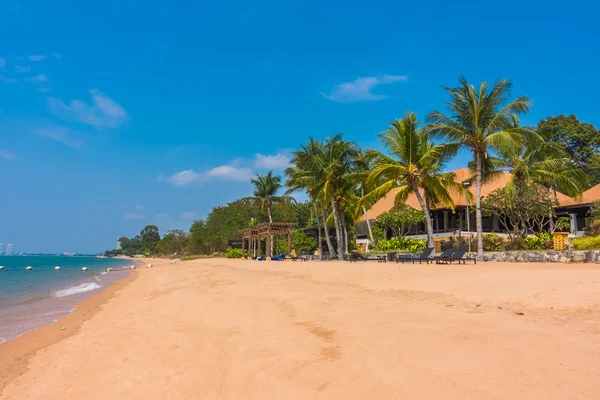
(356, 256)
(458, 255)
(280, 257)
(301, 258)
(424, 256)
(261, 259)
(443, 256)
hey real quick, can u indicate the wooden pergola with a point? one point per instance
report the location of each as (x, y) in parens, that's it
(252, 236)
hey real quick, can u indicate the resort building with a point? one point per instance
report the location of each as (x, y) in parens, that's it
(447, 221)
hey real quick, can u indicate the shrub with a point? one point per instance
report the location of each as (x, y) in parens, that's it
(233, 253)
(302, 242)
(457, 241)
(531, 243)
(492, 242)
(401, 244)
(586, 243)
(595, 227)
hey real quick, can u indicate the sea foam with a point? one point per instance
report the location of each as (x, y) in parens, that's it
(84, 287)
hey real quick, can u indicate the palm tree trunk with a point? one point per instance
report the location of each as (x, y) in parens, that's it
(345, 228)
(425, 209)
(320, 243)
(478, 215)
(367, 219)
(338, 230)
(330, 247)
(271, 221)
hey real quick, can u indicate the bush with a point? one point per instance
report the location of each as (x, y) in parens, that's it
(233, 253)
(302, 243)
(492, 242)
(531, 243)
(595, 227)
(458, 240)
(586, 243)
(401, 244)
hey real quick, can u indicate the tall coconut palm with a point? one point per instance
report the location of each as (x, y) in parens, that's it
(339, 158)
(308, 173)
(266, 188)
(415, 165)
(480, 119)
(265, 191)
(364, 164)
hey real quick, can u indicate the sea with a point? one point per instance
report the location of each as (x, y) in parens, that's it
(42, 295)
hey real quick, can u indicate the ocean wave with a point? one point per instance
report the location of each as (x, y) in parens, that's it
(84, 287)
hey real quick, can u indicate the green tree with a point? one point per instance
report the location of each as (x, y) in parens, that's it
(265, 191)
(308, 173)
(149, 236)
(303, 243)
(520, 208)
(542, 163)
(414, 165)
(339, 158)
(399, 219)
(481, 120)
(581, 141)
(175, 242)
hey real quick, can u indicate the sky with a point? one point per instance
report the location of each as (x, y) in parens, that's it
(115, 114)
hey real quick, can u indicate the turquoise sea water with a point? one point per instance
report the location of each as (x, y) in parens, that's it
(29, 299)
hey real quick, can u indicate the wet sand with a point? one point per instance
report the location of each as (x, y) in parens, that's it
(233, 329)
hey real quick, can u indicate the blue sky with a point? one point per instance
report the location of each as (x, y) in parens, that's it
(116, 114)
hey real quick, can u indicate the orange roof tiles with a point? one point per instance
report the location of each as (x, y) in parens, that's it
(462, 174)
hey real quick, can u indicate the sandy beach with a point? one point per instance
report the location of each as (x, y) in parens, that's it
(233, 329)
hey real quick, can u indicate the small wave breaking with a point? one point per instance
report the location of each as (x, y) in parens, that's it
(84, 287)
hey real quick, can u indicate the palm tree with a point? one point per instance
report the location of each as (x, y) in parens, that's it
(323, 169)
(364, 164)
(541, 163)
(339, 158)
(414, 165)
(265, 193)
(308, 174)
(480, 120)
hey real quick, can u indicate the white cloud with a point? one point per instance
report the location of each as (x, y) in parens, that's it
(19, 69)
(131, 215)
(36, 57)
(2, 63)
(61, 135)
(104, 112)
(229, 173)
(37, 79)
(44, 89)
(278, 161)
(360, 89)
(8, 80)
(139, 207)
(184, 178)
(7, 155)
(221, 173)
(189, 214)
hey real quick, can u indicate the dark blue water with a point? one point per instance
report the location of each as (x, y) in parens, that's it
(29, 299)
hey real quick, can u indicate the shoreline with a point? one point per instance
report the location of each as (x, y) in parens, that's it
(16, 352)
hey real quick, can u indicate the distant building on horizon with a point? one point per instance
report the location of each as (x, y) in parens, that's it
(9, 249)
(1, 248)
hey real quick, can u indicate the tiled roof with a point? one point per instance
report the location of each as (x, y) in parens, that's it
(462, 174)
